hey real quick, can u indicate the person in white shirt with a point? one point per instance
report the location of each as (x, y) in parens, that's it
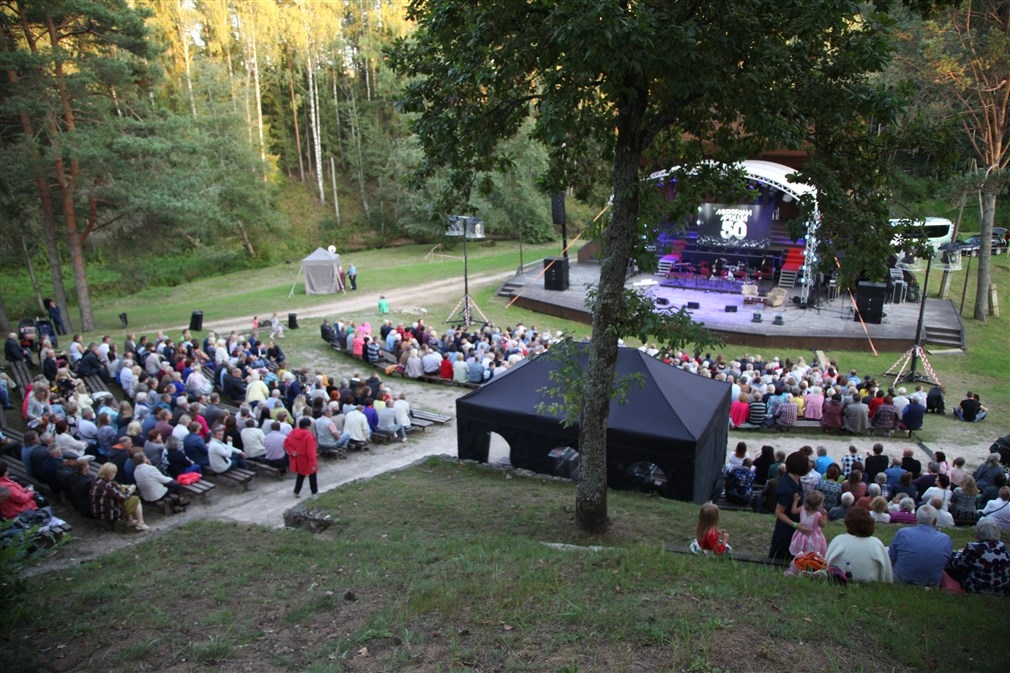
(223, 457)
(253, 440)
(402, 408)
(998, 510)
(356, 425)
(153, 485)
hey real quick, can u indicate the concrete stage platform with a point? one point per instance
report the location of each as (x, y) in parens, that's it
(830, 326)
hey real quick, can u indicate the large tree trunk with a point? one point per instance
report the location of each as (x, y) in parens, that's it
(45, 201)
(67, 180)
(294, 115)
(618, 244)
(989, 190)
(355, 130)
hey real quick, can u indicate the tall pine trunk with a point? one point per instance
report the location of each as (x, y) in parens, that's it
(990, 188)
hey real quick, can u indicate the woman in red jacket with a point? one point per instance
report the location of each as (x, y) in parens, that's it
(300, 446)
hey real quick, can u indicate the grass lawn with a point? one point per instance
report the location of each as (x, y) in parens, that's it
(443, 567)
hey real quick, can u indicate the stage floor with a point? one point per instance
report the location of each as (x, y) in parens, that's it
(830, 326)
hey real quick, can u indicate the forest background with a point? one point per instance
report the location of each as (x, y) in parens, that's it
(151, 143)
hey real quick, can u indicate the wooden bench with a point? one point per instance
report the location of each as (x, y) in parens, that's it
(95, 384)
(263, 468)
(418, 424)
(822, 360)
(198, 489)
(21, 375)
(429, 416)
(236, 476)
(383, 437)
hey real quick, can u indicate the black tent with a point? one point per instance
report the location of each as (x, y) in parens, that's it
(676, 420)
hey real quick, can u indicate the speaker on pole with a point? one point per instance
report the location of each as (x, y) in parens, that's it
(558, 216)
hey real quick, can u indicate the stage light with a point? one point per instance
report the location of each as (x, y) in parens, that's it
(779, 320)
(756, 317)
(787, 198)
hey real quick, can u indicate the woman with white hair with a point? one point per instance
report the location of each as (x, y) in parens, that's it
(983, 566)
(256, 392)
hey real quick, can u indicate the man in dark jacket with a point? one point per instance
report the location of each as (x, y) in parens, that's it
(91, 365)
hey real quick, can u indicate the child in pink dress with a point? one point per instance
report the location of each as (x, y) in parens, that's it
(813, 518)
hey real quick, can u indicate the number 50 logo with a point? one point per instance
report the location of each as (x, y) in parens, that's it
(734, 223)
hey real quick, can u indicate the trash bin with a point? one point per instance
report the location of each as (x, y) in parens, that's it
(292, 321)
(196, 321)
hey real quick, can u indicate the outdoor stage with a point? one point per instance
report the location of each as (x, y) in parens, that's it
(829, 326)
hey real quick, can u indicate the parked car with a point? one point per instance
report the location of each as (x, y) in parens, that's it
(971, 245)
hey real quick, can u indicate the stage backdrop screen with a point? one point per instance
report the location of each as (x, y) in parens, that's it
(734, 225)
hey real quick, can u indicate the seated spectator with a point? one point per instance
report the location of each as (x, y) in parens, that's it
(881, 481)
(154, 449)
(823, 460)
(787, 413)
(111, 501)
(155, 487)
(223, 456)
(830, 487)
(964, 501)
(872, 491)
(906, 511)
(356, 425)
(757, 410)
(858, 552)
(739, 411)
(876, 462)
(849, 460)
(906, 487)
(854, 484)
(841, 510)
(19, 499)
(910, 464)
(957, 472)
(940, 489)
(388, 424)
(943, 517)
(885, 419)
(912, 416)
(998, 510)
(195, 447)
(893, 475)
(79, 485)
(878, 510)
(740, 483)
(987, 472)
(813, 407)
(857, 418)
(762, 464)
(274, 454)
(935, 402)
(739, 455)
(970, 409)
(178, 461)
(982, 566)
(927, 479)
(832, 413)
(920, 554)
(445, 370)
(253, 440)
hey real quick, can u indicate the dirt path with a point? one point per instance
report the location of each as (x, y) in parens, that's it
(410, 300)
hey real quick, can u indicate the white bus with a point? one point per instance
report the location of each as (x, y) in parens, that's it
(936, 230)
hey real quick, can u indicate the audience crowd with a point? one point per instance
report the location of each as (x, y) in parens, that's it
(808, 489)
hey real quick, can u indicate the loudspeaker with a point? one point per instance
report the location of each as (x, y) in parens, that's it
(756, 317)
(292, 321)
(122, 319)
(662, 301)
(196, 321)
(693, 305)
(558, 209)
(556, 273)
(779, 320)
(730, 309)
(870, 302)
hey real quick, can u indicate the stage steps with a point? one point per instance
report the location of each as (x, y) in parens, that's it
(663, 270)
(952, 337)
(509, 288)
(792, 261)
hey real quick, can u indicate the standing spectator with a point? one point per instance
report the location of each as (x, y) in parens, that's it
(276, 327)
(787, 494)
(300, 446)
(919, 554)
(383, 305)
(352, 276)
(53, 309)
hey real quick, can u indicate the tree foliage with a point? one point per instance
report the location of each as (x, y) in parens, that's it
(631, 80)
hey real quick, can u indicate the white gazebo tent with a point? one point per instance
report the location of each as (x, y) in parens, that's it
(321, 271)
